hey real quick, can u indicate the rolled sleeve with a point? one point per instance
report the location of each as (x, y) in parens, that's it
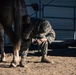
(51, 36)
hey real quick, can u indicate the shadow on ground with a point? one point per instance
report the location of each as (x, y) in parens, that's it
(54, 50)
(58, 50)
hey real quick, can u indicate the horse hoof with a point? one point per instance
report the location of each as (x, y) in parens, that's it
(3, 60)
(13, 65)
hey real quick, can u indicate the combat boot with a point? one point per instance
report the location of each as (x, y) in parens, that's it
(23, 58)
(44, 59)
(44, 49)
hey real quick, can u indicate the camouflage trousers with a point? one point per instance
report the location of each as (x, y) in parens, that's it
(26, 45)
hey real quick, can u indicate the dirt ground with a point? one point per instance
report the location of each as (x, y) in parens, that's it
(63, 65)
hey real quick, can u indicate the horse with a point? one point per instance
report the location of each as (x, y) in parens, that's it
(11, 12)
(2, 44)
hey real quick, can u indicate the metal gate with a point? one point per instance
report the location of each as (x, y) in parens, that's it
(62, 19)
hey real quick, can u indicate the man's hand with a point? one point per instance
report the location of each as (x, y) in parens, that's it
(38, 41)
(43, 39)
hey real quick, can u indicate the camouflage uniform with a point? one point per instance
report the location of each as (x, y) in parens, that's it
(37, 29)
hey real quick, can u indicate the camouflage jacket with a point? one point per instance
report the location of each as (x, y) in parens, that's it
(39, 29)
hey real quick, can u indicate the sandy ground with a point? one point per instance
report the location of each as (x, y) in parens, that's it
(63, 65)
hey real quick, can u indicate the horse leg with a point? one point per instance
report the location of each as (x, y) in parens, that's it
(17, 30)
(2, 45)
(19, 9)
(7, 19)
(16, 45)
(16, 58)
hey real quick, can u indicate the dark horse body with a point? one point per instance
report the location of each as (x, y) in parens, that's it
(11, 11)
